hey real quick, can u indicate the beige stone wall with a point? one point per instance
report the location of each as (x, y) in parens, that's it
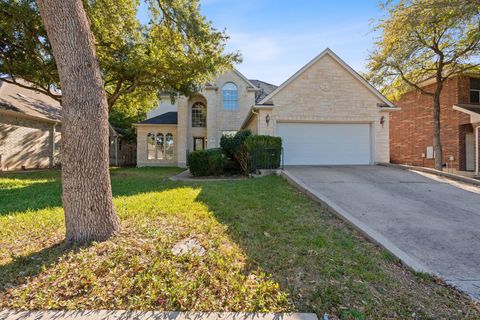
(252, 124)
(25, 143)
(218, 119)
(327, 92)
(142, 131)
(182, 132)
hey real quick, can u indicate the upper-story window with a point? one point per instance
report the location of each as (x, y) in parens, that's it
(230, 96)
(474, 90)
(199, 115)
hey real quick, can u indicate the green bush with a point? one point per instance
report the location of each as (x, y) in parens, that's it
(264, 152)
(206, 162)
(231, 144)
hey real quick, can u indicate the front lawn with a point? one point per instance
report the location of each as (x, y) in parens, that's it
(268, 248)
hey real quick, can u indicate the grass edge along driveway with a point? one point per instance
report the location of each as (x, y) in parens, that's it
(268, 249)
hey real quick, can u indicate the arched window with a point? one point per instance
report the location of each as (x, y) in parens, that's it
(160, 146)
(169, 147)
(151, 146)
(230, 96)
(199, 115)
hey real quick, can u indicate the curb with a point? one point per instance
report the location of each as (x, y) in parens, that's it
(150, 315)
(432, 171)
(364, 229)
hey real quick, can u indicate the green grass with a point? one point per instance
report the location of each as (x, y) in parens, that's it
(268, 248)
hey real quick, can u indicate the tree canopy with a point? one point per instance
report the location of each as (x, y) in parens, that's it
(177, 51)
(425, 40)
(422, 39)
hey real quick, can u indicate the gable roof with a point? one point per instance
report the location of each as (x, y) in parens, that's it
(265, 89)
(343, 64)
(245, 79)
(164, 118)
(28, 102)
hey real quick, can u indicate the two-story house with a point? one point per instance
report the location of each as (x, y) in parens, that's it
(411, 128)
(325, 113)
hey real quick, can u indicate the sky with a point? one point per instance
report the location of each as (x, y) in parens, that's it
(277, 37)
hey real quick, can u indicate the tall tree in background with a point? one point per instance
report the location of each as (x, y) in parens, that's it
(87, 195)
(177, 51)
(423, 40)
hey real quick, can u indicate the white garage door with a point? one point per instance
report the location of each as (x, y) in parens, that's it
(325, 144)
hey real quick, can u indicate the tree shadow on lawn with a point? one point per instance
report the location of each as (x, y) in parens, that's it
(24, 191)
(20, 268)
(322, 263)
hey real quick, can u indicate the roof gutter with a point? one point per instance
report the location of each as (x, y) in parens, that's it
(30, 117)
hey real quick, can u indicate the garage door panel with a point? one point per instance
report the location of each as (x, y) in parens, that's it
(325, 144)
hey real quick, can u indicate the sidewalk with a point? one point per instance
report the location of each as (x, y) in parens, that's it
(149, 315)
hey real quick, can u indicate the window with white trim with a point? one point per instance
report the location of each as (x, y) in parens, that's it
(151, 146)
(229, 133)
(199, 115)
(160, 146)
(169, 147)
(230, 96)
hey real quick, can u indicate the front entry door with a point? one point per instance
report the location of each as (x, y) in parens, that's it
(198, 144)
(469, 151)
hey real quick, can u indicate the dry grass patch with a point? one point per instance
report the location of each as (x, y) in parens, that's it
(268, 248)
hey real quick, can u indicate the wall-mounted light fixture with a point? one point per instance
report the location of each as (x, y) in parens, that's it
(382, 120)
(267, 119)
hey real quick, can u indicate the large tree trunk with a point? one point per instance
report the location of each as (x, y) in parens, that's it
(437, 143)
(87, 195)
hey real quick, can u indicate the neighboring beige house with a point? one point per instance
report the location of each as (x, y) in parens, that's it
(326, 114)
(30, 125)
(30, 131)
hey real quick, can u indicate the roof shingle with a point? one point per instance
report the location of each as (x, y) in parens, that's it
(165, 118)
(29, 102)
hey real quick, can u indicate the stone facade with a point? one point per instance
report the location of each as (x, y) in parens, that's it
(27, 143)
(326, 92)
(411, 130)
(142, 132)
(219, 120)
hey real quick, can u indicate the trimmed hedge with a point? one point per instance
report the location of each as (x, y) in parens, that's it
(231, 144)
(206, 162)
(264, 152)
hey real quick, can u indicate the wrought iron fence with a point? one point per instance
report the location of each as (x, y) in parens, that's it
(265, 158)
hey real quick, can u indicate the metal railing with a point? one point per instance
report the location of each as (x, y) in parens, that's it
(265, 158)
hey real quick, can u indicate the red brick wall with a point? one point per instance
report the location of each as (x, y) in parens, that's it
(411, 128)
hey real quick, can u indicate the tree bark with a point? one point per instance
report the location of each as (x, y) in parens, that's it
(86, 189)
(437, 143)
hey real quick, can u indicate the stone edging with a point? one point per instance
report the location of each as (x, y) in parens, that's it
(149, 315)
(185, 176)
(364, 229)
(449, 175)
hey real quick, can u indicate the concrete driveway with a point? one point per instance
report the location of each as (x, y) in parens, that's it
(432, 221)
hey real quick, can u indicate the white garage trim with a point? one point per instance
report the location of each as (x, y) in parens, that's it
(327, 143)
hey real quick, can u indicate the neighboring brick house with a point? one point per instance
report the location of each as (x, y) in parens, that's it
(411, 128)
(30, 131)
(325, 114)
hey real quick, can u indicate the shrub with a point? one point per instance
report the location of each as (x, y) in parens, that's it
(231, 144)
(261, 152)
(206, 162)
